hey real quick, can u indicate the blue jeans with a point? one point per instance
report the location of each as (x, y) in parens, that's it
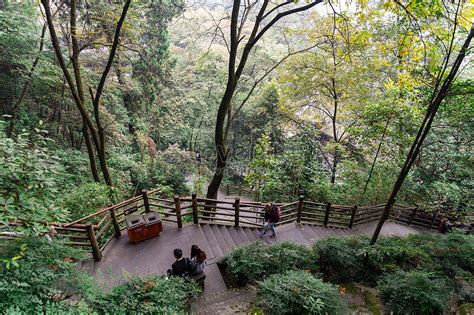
(268, 226)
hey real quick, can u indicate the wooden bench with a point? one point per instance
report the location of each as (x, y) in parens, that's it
(199, 278)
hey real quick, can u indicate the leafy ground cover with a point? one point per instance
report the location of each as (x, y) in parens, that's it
(45, 279)
(423, 274)
(255, 262)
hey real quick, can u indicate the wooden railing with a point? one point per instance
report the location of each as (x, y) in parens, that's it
(239, 190)
(94, 231)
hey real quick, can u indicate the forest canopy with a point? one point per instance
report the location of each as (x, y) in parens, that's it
(100, 100)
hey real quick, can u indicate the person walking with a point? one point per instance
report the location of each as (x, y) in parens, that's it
(271, 217)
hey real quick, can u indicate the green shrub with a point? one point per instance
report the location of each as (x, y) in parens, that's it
(395, 253)
(415, 292)
(451, 256)
(148, 295)
(42, 277)
(298, 292)
(257, 261)
(29, 182)
(341, 259)
(86, 199)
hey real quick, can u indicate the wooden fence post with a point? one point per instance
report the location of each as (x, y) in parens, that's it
(177, 204)
(413, 215)
(146, 203)
(240, 189)
(237, 211)
(433, 220)
(326, 215)
(195, 208)
(115, 223)
(353, 213)
(228, 189)
(300, 208)
(95, 246)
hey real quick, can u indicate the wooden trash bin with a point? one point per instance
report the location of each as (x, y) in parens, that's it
(136, 228)
(153, 225)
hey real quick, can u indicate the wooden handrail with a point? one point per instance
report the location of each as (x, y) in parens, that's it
(300, 211)
(126, 202)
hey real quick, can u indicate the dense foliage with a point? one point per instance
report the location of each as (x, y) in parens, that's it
(44, 275)
(148, 295)
(415, 292)
(299, 292)
(167, 78)
(452, 257)
(257, 261)
(44, 278)
(328, 103)
(30, 181)
(422, 273)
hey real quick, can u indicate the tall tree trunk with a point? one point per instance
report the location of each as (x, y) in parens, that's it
(14, 112)
(97, 132)
(234, 73)
(375, 158)
(90, 153)
(334, 166)
(422, 133)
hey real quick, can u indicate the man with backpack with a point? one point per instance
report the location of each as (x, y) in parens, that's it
(272, 217)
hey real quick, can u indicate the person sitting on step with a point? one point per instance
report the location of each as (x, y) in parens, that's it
(198, 260)
(182, 266)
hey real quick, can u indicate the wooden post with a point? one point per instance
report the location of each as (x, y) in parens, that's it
(177, 204)
(413, 215)
(95, 246)
(433, 220)
(146, 203)
(115, 223)
(354, 211)
(228, 189)
(240, 189)
(326, 215)
(195, 208)
(300, 208)
(237, 211)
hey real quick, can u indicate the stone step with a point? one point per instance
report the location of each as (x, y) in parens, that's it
(321, 231)
(250, 234)
(344, 231)
(213, 243)
(200, 239)
(291, 234)
(243, 236)
(227, 238)
(225, 302)
(235, 236)
(220, 239)
(256, 234)
(308, 233)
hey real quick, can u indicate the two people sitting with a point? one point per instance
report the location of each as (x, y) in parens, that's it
(272, 217)
(188, 267)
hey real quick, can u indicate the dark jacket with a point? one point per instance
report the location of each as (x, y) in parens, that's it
(270, 215)
(181, 266)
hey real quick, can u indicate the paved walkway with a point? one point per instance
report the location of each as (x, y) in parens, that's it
(155, 255)
(122, 258)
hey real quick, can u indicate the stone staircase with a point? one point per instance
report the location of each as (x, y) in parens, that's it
(232, 301)
(220, 239)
